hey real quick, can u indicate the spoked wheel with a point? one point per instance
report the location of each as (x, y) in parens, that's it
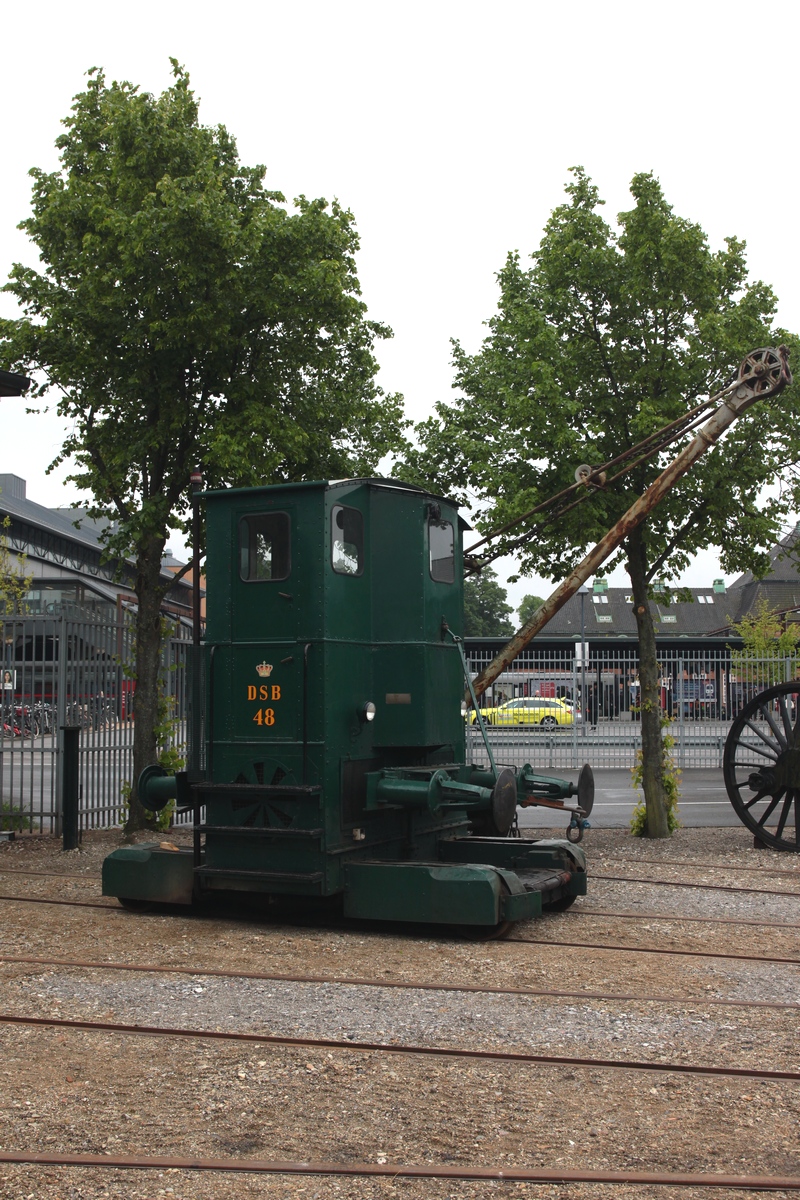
(762, 766)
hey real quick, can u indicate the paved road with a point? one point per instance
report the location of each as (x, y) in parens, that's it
(703, 802)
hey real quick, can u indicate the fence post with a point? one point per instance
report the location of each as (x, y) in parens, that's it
(576, 705)
(681, 726)
(70, 787)
(61, 717)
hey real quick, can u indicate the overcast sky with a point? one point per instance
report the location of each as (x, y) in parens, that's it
(447, 128)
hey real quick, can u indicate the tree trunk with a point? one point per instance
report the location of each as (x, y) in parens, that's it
(655, 797)
(149, 593)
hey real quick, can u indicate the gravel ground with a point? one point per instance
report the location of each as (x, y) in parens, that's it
(90, 1092)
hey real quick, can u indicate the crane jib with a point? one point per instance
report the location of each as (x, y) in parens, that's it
(762, 373)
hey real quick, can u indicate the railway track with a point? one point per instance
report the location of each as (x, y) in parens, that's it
(703, 886)
(138, 1162)
(398, 1166)
(114, 909)
(706, 887)
(398, 1048)
(395, 984)
(676, 862)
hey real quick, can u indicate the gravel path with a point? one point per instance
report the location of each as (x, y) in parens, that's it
(92, 1092)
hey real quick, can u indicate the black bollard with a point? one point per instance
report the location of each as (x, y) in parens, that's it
(70, 823)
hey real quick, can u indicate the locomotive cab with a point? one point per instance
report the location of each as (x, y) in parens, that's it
(330, 759)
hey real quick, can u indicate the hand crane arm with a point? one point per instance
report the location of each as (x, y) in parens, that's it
(762, 373)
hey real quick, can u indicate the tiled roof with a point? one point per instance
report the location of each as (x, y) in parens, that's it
(611, 615)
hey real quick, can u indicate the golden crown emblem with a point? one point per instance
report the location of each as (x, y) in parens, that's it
(264, 669)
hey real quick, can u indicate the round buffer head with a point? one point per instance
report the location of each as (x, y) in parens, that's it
(504, 801)
(586, 789)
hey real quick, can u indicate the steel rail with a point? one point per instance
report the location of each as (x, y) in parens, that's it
(707, 887)
(512, 941)
(714, 887)
(575, 912)
(677, 862)
(49, 874)
(115, 908)
(629, 916)
(511, 1056)
(261, 1166)
(396, 984)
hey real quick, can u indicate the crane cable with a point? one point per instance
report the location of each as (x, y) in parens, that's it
(593, 480)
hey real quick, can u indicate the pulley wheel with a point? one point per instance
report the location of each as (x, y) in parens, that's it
(504, 801)
(761, 370)
(586, 789)
(761, 766)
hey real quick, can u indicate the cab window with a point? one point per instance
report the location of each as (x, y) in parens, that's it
(264, 547)
(347, 540)
(441, 540)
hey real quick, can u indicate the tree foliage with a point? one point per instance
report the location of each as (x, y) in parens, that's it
(528, 607)
(186, 317)
(768, 641)
(15, 577)
(486, 610)
(606, 337)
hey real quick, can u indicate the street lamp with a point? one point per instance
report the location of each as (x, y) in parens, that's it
(583, 592)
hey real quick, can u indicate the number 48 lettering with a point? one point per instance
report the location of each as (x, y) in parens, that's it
(264, 716)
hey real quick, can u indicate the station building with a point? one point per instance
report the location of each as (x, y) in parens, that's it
(65, 557)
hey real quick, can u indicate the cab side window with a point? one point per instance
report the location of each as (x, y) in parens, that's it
(441, 540)
(264, 547)
(347, 540)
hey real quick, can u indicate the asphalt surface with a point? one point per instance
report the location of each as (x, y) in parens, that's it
(703, 801)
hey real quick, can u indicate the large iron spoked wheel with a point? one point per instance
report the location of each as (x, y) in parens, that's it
(762, 766)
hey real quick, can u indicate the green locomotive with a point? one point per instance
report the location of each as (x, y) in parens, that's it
(329, 756)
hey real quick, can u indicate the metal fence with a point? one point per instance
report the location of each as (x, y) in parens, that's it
(702, 691)
(70, 670)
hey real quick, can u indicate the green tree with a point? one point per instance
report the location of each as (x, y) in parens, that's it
(609, 335)
(768, 641)
(486, 610)
(15, 578)
(528, 607)
(187, 317)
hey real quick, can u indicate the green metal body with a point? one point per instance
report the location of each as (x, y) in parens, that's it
(325, 600)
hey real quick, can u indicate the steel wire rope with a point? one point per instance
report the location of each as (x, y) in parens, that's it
(651, 445)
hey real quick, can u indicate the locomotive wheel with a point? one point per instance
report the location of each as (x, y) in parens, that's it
(761, 767)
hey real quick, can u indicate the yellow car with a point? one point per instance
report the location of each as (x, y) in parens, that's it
(529, 710)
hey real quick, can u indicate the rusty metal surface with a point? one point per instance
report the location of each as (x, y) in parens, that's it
(705, 887)
(266, 1039)
(65, 903)
(762, 373)
(765, 958)
(735, 868)
(658, 916)
(260, 1166)
(402, 985)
